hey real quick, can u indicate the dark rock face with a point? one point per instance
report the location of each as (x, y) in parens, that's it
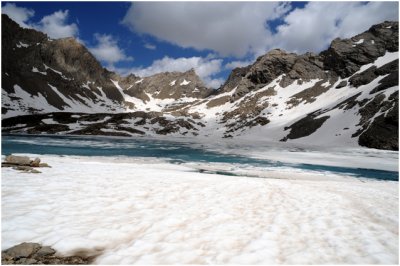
(101, 124)
(346, 56)
(305, 127)
(373, 72)
(341, 84)
(383, 131)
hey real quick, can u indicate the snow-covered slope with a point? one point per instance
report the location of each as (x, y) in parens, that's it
(317, 111)
(346, 95)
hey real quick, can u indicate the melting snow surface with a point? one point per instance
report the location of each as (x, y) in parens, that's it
(149, 212)
(172, 83)
(139, 81)
(130, 211)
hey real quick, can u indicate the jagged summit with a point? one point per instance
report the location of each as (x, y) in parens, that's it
(346, 56)
(346, 95)
(82, 75)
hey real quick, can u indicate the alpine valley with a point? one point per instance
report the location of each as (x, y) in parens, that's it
(346, 95)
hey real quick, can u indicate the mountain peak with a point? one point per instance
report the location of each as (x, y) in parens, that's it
(345, 56)
(348, 92)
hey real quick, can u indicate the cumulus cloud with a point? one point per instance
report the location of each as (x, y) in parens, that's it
(229, 28)
(20, 15)
(240, 28)
(107, 50)
(318, 23)
(234, 64)
(56, 26)
(205, 67)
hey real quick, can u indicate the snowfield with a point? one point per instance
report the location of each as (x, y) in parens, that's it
(147, 211)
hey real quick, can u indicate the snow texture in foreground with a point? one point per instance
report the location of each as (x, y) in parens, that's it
(133, 211)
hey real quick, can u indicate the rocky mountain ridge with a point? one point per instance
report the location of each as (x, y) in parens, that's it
(65, 64)
(346, 95)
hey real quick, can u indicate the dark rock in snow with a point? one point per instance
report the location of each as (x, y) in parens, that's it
(305, 127)
(342, 84)
(18, 160)
(33, 253)
(23, 250)
(23, 163)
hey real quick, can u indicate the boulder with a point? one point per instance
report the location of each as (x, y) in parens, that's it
(28, 169)
(44, 165)
(342, 84)
(23, 168)
(18, 160)
(23, 250)
(33, 253)
(45, 251)
(34, 171)
(35, 163)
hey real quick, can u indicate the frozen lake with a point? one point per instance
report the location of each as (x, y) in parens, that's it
(226, 157)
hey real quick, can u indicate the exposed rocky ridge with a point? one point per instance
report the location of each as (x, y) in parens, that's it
(120, 124)
(337, 67)
(346, 56)
(64, 71)
(349, 91)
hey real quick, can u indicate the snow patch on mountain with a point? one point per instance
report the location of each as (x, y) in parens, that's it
(184, 82)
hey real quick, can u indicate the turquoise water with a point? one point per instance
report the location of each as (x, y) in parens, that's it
(174, 152)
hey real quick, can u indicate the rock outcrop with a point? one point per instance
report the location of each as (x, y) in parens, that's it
(23, 163)
(345, 57)
(34, 253)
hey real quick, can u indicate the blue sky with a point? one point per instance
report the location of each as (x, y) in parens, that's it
(149, 37)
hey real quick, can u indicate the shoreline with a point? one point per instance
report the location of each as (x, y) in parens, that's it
(353, 157)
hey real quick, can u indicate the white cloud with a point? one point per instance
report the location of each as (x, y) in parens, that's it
(229, 28)
(240, 28)
(20, 15)
(107, 50)
(55, 25)
(150, 46)
(235, 64)
(206, 68)
(318, 23)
